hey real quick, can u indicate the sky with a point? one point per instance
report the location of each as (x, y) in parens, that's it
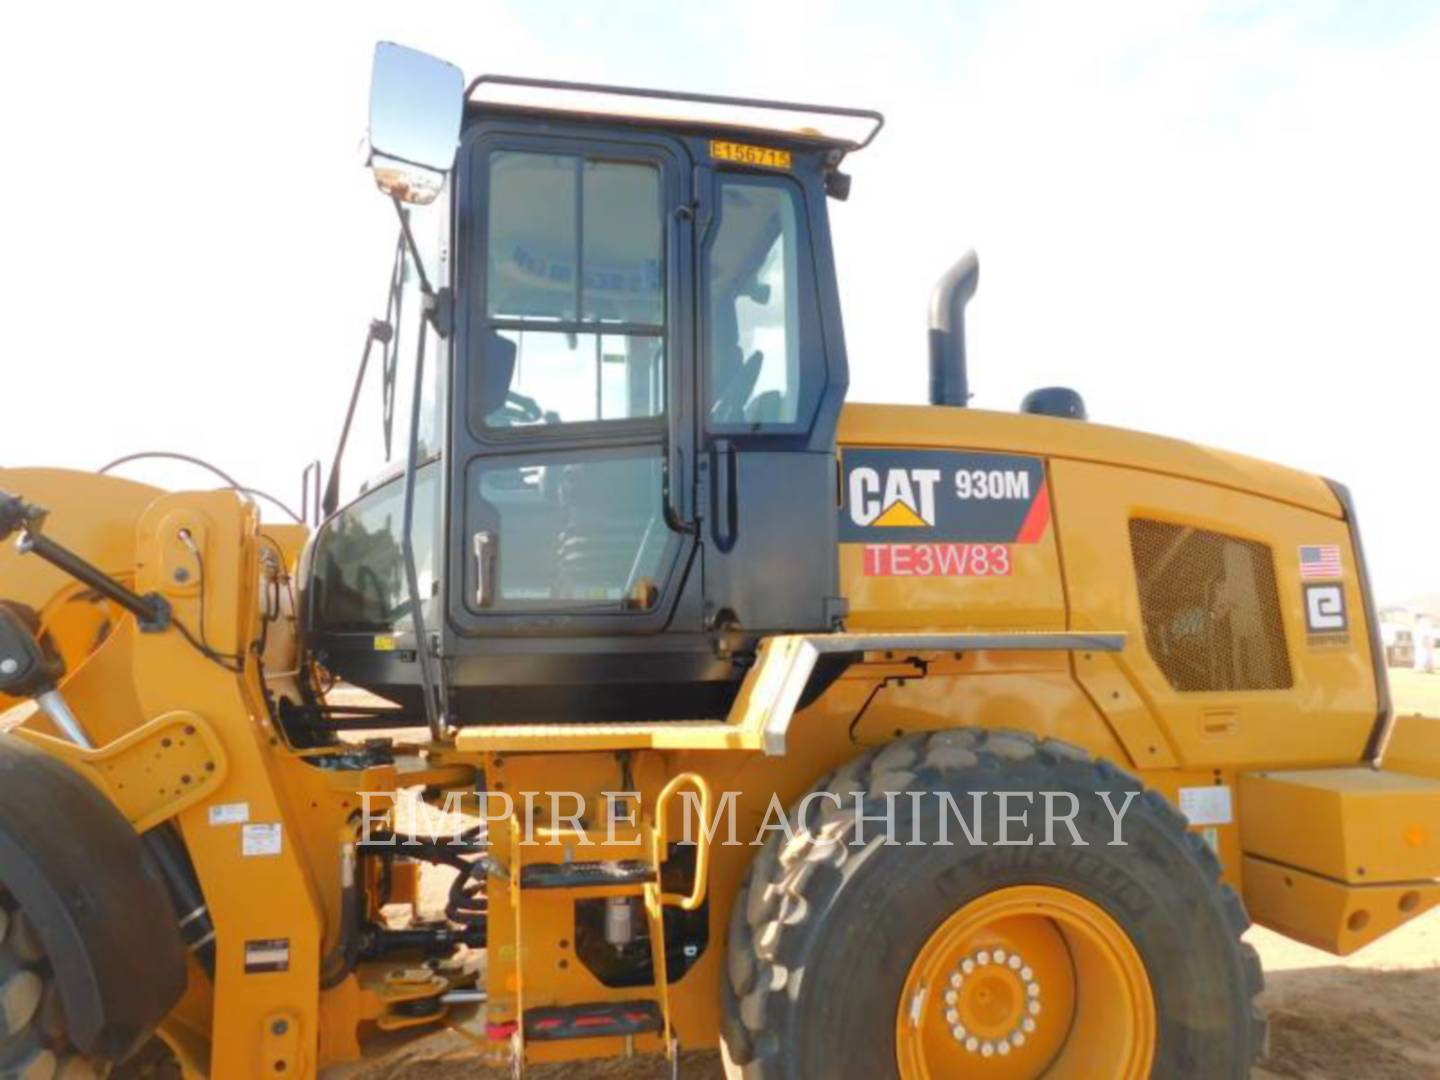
(1218, 221)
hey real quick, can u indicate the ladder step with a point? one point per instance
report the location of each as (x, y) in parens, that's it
(601, 1020)
(586, 875)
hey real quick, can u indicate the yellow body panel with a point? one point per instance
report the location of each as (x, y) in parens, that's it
(977, 429)
(1414, 746)
(1329, 712)
(1339, 857)
(1080, 577)
(1360, 825)
(1326, 913)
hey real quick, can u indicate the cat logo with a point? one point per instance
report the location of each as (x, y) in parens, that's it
(893, 495)
(904, 498)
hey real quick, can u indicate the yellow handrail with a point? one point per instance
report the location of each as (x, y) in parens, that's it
(660, 841)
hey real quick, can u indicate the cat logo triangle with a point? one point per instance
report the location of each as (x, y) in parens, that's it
(901, 516)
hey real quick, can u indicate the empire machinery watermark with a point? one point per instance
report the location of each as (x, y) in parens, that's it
(613, 819)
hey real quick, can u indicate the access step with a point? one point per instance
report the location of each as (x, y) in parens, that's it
(556, 1023)
(586, 875)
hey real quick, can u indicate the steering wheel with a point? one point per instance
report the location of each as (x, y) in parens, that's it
(729, 407)
(518, 409)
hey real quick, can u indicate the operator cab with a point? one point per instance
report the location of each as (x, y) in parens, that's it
(624, 465)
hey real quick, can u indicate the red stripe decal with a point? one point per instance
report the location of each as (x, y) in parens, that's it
(1038, 519)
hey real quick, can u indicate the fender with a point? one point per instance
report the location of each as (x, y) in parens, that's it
(98, 904)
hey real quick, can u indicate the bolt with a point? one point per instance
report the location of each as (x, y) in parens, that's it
(182, 575)
(279, 1027)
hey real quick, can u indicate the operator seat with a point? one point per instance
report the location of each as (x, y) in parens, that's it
(490, 385)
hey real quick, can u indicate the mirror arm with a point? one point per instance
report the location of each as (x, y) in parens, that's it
(439, 305)
(414, 248)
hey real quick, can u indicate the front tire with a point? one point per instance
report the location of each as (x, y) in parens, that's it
(841, 954)
(33, 1043)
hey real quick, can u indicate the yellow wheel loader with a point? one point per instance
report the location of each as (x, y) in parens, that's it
(656, 698)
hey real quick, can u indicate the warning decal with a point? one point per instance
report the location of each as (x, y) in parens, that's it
(945, 500)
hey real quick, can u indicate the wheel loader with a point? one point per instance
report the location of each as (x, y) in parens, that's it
(656, 698)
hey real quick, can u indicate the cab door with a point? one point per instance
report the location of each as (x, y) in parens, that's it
(773, 381)
(570, 485)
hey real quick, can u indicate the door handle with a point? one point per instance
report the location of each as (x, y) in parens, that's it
(484, 544)
(725, 495)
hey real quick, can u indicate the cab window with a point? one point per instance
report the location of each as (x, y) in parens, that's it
(359, 581)
(574, 300)
(760, 310)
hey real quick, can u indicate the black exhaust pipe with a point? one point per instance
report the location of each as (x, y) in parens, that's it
(949, 383)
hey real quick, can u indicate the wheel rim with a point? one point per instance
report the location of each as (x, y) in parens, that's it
(1023, 982)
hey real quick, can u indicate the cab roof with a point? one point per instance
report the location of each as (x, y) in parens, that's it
(840, 129)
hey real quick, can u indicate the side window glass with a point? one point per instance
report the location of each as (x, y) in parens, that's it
(575, 300)
(534, 245)
(620, 244)
(359, 576)
(575, 529)
(753, 286)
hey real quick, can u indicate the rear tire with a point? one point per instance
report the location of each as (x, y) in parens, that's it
(824, 931)
(33, 1043)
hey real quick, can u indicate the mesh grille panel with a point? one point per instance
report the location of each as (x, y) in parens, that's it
(1210, 607)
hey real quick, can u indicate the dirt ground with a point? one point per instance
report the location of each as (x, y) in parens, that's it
(1369, 1016)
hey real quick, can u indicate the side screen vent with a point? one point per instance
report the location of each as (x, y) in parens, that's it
(1210, 607)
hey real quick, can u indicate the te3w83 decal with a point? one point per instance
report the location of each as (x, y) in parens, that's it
(945, 513)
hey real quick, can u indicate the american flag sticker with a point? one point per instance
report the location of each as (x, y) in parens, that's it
(1320, 561)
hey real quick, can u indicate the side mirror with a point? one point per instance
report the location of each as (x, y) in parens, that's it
(415, 106)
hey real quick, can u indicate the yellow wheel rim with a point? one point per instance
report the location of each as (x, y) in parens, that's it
(1024, 982)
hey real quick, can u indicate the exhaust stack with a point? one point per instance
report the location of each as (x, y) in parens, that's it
(949, 383)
